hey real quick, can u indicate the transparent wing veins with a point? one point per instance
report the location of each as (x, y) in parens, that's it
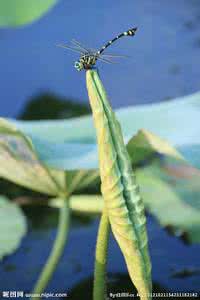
(82, 50)
(80, 46)
(70, 48)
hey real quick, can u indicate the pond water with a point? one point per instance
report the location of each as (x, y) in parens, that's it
(164, 54)
(176, 266)
(164, 64)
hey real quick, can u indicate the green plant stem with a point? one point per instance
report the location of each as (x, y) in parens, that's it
(58, 247)
(99, 292)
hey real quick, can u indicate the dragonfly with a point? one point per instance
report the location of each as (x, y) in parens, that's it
(89, 57)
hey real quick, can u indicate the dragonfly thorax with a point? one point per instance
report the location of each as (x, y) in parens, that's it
(86, 61)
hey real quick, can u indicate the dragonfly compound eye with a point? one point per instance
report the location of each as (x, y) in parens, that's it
(78, 65)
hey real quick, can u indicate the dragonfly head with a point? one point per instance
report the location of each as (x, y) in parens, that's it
(79, 65)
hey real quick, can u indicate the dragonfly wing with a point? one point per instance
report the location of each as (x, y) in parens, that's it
(71, 48)
(114, 56)
(108, 61)
(81, 46)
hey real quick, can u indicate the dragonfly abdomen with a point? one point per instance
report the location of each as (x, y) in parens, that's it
(130, 32)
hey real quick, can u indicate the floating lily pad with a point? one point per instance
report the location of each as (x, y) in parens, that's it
(20, 12)
(172, 199)
(52, 156)
(71, 144)
(20, 164)
(170, 192)
(12, 226)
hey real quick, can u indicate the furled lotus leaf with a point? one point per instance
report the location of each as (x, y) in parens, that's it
(119, 188)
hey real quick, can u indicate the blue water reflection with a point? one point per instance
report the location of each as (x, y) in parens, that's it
(165, 52)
